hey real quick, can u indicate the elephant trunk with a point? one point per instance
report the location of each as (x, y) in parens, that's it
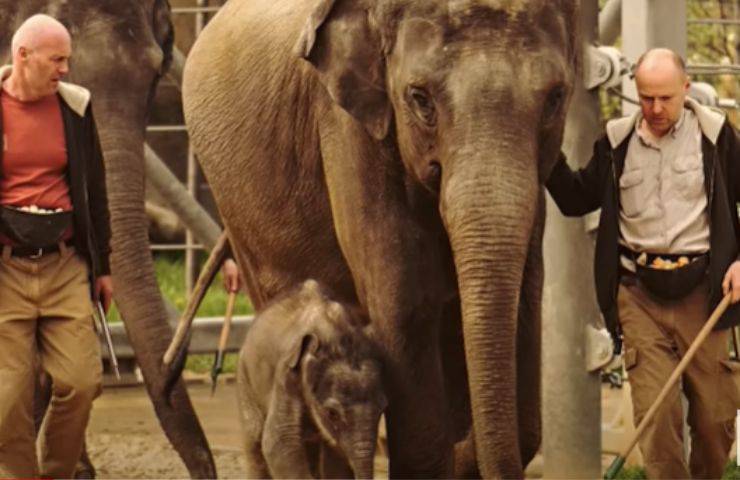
(362, 457)
(136, 291)
(488, 204)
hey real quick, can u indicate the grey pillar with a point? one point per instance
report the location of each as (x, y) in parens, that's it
(192, 215)
(610, 22)
(571, 396)
(648, 24)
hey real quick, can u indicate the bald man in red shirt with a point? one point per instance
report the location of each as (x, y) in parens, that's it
(50, 159)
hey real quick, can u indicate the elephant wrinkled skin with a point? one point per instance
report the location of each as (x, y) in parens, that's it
(401, 165)
(120, 50)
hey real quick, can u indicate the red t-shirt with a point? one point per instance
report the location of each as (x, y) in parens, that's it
(34, 157)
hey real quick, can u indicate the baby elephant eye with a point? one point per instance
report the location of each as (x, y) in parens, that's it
(333, 415)
(554, 102)
(422, 104)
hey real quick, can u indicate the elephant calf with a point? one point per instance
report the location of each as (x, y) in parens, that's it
(310, 390)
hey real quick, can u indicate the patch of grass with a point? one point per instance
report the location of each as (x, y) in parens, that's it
(632, 473)
(204, 363)
(169, 267)
(732, 471)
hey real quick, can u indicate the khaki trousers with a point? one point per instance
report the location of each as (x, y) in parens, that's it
(657, 334)
(46, 317)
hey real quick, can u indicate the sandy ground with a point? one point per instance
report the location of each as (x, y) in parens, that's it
(126, 441)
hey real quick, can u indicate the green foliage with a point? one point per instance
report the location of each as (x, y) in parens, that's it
(170, 271)
(632, 473)
(732, 471)
(204, 363)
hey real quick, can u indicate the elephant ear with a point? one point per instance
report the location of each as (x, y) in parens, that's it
(340, 42)
(306, 344)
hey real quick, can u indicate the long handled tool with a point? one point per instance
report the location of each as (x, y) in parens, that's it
(105, 330)
(218, 363)
(618, 462)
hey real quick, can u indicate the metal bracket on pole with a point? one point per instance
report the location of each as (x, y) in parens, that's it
(706, 94)
(604, 66)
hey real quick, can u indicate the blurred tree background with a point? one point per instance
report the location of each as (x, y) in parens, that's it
(716, 43)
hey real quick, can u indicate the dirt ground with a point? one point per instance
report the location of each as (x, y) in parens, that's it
(126, 441)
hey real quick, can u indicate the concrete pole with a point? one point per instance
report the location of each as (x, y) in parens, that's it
(610, 22)
(571, 395)
(648, 24)
(189, 211)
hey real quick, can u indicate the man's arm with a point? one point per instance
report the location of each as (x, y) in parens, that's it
(731, 282)
(579, 192)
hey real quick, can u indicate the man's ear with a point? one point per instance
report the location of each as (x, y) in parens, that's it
(340, 42)
(306, 344)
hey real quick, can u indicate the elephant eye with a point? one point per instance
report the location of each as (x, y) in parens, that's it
(553, 102)
(422, 104)
(333, 415)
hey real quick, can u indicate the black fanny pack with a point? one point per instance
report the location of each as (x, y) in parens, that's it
(32, 229)
(674, 283)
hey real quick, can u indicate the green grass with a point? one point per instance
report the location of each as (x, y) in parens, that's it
(169, 268)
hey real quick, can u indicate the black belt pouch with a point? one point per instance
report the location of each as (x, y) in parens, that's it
(35, 230)
(673, 284)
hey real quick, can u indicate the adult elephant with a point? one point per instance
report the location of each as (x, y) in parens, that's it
(402, 165)
(121, 48)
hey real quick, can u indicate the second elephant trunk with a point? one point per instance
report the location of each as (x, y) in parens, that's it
(137, 294)
(488, 206)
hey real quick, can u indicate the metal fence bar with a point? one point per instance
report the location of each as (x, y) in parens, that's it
(713, 69)
(179, 10)
(713, 21)
(166, 128)
(165, 247)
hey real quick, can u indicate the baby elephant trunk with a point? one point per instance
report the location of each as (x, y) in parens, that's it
(362, 457)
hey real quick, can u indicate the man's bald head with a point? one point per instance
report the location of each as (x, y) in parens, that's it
(41, 49)
(662, 85)
(661, 58)
(38, 30)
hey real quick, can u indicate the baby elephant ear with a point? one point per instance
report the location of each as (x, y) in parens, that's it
(339, 41)
(308, 343)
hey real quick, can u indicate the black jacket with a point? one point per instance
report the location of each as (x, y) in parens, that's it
(86, 180)
(597, 186)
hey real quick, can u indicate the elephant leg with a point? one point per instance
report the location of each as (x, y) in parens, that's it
(529, 345)
(252, 421)
(333, 464)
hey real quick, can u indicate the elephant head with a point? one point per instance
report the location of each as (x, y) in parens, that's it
(340, 376)
(472, 94)
(120, 50)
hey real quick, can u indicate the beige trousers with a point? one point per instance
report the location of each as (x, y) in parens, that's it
(657, 334)
(46, 317)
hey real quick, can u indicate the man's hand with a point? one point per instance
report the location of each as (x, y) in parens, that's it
(732, 281)
(230, 272)
(104, 291)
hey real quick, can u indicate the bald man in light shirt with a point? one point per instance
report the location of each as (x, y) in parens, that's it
(667, 180)
(51, 159)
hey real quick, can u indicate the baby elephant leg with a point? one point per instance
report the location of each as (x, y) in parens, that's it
(282, 442)
(252, 421)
